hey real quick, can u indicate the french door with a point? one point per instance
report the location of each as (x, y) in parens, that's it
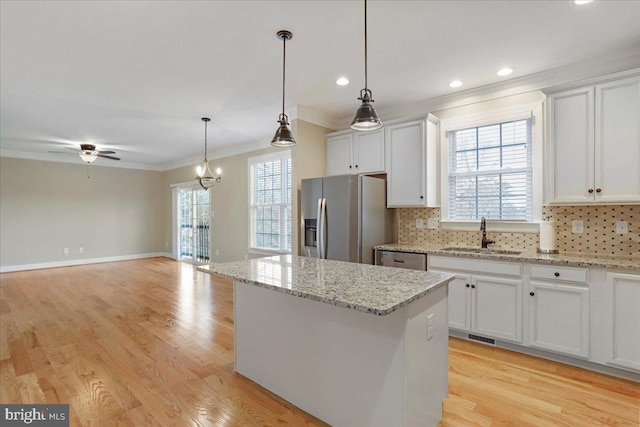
(193, 225)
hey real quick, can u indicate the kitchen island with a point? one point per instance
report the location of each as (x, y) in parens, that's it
(352, 344)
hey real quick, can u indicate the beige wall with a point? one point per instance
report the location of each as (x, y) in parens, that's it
(47, 206)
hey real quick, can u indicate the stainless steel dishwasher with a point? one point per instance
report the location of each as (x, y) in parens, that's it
(408, 260)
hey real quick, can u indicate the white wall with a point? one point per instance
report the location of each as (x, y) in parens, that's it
(47, 206)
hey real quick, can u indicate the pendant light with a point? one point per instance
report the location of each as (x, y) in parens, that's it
(366, 117)
(283, 136)
(205, 177)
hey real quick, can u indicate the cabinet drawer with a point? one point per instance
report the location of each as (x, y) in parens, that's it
(566, 274)
(475, 265)
(408, 260)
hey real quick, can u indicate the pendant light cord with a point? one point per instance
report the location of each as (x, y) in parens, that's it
(205, 140)
(365, 44)
(284, 57)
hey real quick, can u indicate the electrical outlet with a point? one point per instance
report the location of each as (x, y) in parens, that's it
(577, 226)
(166, 244)
(432, 223)
(429, 327)
(81, 249)
(66, 251)
(622, 227)
(217, 252)
(419, 223)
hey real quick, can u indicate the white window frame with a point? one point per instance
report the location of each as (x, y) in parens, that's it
(533, 111)
(252, 161)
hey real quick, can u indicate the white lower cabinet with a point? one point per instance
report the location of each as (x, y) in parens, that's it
(559, 318)
(459, 302)
(487, 305)
(496, 307)
(621, 322)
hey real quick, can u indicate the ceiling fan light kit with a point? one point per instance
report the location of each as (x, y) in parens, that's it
(366, 118)
(283, 136)
(204, 176)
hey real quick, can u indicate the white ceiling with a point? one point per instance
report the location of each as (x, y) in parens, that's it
(137, 76)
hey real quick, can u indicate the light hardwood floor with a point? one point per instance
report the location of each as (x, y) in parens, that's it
(150, 342)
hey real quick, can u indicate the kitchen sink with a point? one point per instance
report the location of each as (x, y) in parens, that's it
(482, 251)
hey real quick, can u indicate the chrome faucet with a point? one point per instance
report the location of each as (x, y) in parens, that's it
(483, 228)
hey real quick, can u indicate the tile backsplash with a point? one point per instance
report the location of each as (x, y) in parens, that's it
(599, 236)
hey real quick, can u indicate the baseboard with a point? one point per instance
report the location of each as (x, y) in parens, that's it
(69, 263)
(585, 364)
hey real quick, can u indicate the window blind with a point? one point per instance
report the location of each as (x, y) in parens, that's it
(490, 172)
(270, 208)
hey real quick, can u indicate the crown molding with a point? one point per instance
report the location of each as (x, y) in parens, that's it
(302, 112)
(74, 160)
(584, 73)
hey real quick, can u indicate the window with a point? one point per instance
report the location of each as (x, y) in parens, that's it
(490, 172)
(270, 202)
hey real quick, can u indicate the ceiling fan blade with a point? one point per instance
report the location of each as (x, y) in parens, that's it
(73, 149)
(106, 152)
(60, 152)
(107, 157)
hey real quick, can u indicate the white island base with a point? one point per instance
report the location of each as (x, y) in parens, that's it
(346, 367)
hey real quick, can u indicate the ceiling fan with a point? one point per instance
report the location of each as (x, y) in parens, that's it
(88, 153)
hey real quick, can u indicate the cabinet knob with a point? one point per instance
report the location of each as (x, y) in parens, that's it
(556, 274)
(473, 286)
(356, 166)
(532, 293)
(467, 285)
(351, 166)
(422, 197)
(598, 190)
(589, 190)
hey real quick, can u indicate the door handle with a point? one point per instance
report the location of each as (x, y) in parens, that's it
(319, 229)
(323, 208)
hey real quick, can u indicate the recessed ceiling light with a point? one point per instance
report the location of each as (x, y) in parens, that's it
(581, 2)
(342, 81)
(505, 71)
(455, 83)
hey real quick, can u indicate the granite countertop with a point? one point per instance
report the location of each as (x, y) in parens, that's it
(361, 287)
(574, 260)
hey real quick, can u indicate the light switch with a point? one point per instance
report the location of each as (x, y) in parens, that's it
(432, 223)
(429, 327)
(419, 223)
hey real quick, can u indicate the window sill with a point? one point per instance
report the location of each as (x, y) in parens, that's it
(492, 225)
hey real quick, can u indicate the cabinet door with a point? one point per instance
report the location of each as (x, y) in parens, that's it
(571, 147)
(368, 152)
(559, 318)
(617, 141)
(405, 148)
(496, 308)
(459, 305)
(621, 320)
(339, 154)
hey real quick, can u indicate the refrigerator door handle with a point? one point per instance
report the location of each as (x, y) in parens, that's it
(323, 234)
(319, 229)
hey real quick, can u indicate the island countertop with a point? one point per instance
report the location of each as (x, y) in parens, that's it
(361, 287)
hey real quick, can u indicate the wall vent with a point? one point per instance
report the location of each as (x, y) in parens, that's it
(484, 340)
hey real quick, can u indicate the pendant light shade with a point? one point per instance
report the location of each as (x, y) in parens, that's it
(366, 117)
(204, 176)
(283, 136)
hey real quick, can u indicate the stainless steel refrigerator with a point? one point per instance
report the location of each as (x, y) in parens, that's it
(343, 217)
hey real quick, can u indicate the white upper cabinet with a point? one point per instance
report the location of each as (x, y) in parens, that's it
(412, 163)
(594, 144)
(617, 142)
(355, 153)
